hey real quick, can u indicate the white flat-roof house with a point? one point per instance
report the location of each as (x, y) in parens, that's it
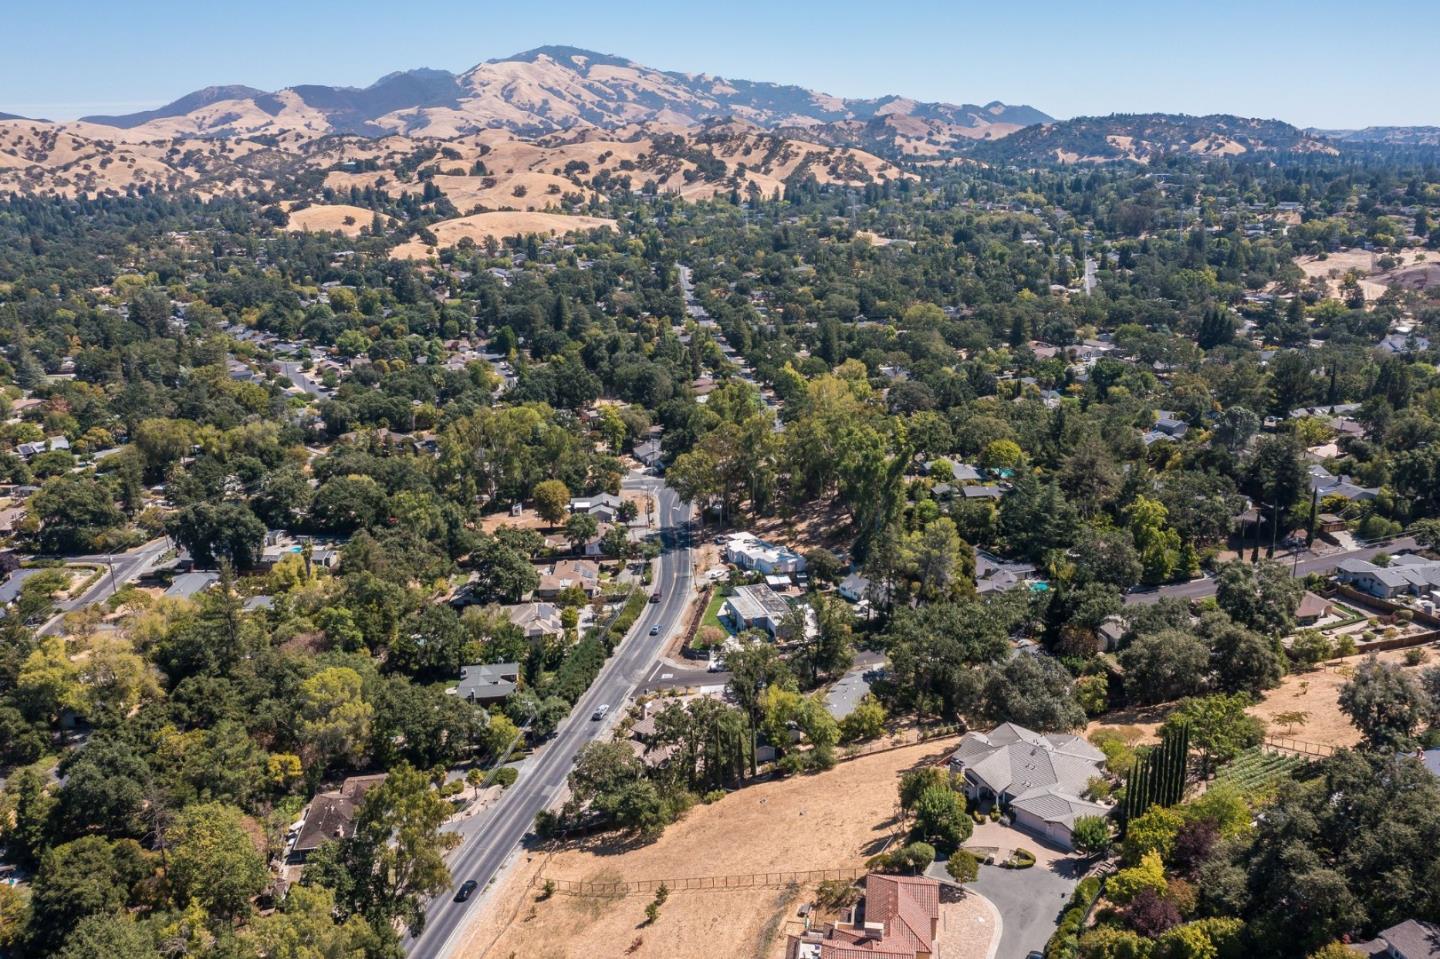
(1042, 778)
(749, 551)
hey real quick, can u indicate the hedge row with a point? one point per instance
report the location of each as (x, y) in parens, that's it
(1065, 943)
(584, 660)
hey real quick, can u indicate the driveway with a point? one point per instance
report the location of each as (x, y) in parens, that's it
(1029, 900)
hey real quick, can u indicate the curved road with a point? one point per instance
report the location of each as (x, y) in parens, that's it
(489, 839)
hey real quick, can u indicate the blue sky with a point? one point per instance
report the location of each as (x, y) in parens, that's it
(1320, 63)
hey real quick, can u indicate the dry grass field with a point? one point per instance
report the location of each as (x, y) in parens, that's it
(832, 820)
(1315, 693)
(335, 218)
(498, 224)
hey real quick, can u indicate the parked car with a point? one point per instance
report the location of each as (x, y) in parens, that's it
(655, 597)
(466, 888)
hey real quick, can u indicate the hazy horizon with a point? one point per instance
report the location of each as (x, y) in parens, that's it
(1307, 64)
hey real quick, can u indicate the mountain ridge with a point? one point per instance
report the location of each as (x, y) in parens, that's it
(543, 90)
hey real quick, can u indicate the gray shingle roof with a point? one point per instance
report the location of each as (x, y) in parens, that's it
(1012, 759)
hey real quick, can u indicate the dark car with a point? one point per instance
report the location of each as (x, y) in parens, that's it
(466, 888)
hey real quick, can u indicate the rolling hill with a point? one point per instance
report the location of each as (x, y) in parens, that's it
(1144, 137)
(494, 170)
(1388, 136)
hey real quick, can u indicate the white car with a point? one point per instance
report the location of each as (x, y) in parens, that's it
(599, 714)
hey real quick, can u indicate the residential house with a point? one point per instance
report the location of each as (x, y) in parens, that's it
(755, 607)
(1312, 609)
(27, 450)
(854, 588)
(647, 453)
(898, 918)
(751, 552)
(1411, 939)
(486, 683)
(605, 507)
(536, 620)
(188, 585)
(1325, 483)
(331, 815)
(996, 575)
(978, 492)
(1407, 575)
(1404, 344)
(1171, 426)
(581, 574)
(1041, 778)
(1112, 630)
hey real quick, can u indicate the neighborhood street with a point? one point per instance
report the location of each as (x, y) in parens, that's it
(490, 838)
(1308, 563)
(119, 569)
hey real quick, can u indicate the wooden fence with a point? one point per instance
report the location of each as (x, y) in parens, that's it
(912, 736)
(1298, 747)
(757, 880)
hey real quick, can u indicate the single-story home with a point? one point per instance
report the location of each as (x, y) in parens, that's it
(1325, 483)
(755, 607)
(996, 575)
(1407, 574)
(1041, 778)
(605, 507)
(487, 683)
(1312, 609)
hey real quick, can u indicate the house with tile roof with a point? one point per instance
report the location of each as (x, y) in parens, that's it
(899, 917)
(1041, 778)
(581, 574)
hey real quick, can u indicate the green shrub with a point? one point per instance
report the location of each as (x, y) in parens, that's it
(714, 795)
(505, 776)
(835, 894)
(915, 857)
(962, 866)
(1021, 858)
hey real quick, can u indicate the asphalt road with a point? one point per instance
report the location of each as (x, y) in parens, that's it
(120, 568)
(296, 375)
(1205, 586)
(489, 839)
